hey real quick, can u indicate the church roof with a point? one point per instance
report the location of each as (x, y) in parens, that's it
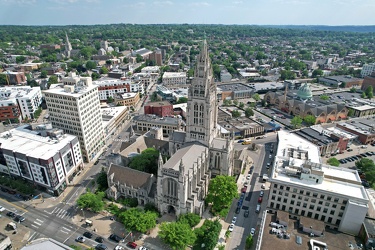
(129, 176)
(188, 155)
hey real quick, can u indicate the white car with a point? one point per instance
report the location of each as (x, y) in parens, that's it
(231, 227)
(234, 220)
(248, 177)
(143, 248)
(120, 248)
(252, 231)
(261, 193)
(2, 209)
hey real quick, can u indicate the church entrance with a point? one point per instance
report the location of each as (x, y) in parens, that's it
(171, 209)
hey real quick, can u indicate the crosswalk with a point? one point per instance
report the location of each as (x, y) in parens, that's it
(37, 223)
(59, 212)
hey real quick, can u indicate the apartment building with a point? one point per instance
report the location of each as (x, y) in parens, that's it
(162, 108)
(169, 124)
(127, 99)
(109, 87)
(76, 110)
(19, 102)
(15, 78)
(51, 167)
(301, 185)
(367, 69)
(114, 119)
(173, 78)
(73, 79)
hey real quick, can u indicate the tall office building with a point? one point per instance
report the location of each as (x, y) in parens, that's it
(76, 110)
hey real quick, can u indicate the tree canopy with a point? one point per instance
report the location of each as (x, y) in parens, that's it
(249, 112)
(136, 219)
(333, 162)
(191, 219)
(309, 120)
(236, 113)
(147, 161)
(177, 235)
(207, 234)
(221, 191)
(296, 121)
(91, 201)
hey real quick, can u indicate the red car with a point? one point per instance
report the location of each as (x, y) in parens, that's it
(260, 199)
(132, 245)
(243, 190)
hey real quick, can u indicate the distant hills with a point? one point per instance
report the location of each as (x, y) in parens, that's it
(347, 28)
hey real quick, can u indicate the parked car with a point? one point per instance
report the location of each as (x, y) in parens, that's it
(243, 190)
(260, 199)
(261, 193)
(248, 177)
(143, 248)
(2, 209)
(87, 234)
(252, 231)
(234, 220)
(132, 245)
(240, 141)
(231, 227)
(4, 189)
(80, 239)
(101, 247)
(349, 150)
(120, 248)
(115, 237)
(238, 209)
(99, 239)
(11, 192)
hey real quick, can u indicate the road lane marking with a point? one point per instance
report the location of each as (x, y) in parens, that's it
(31, 236)
(34, 226)
(13, 205)
(37, 223)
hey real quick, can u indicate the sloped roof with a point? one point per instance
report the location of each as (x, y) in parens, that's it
(129, 176)
(188, 155)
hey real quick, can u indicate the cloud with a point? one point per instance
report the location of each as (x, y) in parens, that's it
(19, 2)
(63, 2)
(199, 4)
(135, 5)
(238, 2)
(163, 3)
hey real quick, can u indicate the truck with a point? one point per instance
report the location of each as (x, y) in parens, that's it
(12, 225)
(265, 178)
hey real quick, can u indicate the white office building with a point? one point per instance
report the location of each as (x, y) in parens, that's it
(173, 78)
(303, 186)
(367, 69)
(45, 156)
(73, 79)
(76, 110)
(27, 99)
(109, 87)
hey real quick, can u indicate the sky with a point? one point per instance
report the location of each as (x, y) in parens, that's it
(258, 12)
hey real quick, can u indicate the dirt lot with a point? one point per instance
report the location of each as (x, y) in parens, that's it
(20, 238)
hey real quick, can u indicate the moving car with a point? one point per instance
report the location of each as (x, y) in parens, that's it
(257, 210)
(246, 213)
(11, 214)
(238, 209)
(132, 245)
(80, 239)
(231, 227)
(19, 218)
(87, 235)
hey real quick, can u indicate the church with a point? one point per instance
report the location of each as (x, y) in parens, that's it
(196, 155)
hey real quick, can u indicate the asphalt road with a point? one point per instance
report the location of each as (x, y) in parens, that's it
(243, 225)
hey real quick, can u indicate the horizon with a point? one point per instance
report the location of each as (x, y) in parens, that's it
(206, 12)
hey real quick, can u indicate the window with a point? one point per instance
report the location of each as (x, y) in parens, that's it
(299, 197)
(313, 200)
(327, 204)
(329, 198)
(338, 222)
(275, 185)
(342, 207)
(298, 203)
(296, 211)
(285, 200)
(309, 214)
(311, 207)
(329, 219)
(323, 218)
(340, 214)
(325, 210)
(320, 202)
(322, 196)
(306, 199)
(294, 190)
(344, 202)
(304, 205)
(287, 188)
(318, 209)
(273, 197)
(308, 193)
(280, 193)
(315, 195)
(334, 205)
(278, 198)
(301, 191)
(293, 196)
(336, 200)
(332, 212)
(281, 187)
(292, 202)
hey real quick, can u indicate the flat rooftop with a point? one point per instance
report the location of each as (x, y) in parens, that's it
(26, 141)
(159, 104)
(78, 90)
(336, 180)
(334, 240)
(234, 87)
(158, 120)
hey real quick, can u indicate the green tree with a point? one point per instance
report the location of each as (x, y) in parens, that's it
(182, 100)
(191, 219)
(296, 121)
(353, 90)
(190, 73)
(287, 75)
(317, 72)
(256, 97)
(136, 219)
(20, 59)
(369, 92)
(324, 97)
(177, 235)
(102, 181)
(227, 102)
(90, 65)
(95, 76)
(365, 164)
(125, 60)
(249, 241)
(236, 113)
(146, 161)
(104, 70)
(249, 112)
(363, 95)
(52, 80)
(3, 79)
(333, 162)
(350, 112)
(242, 105)
(221, 191)
(139, 58)
(110, 99)
(43, 74)
(235, 102)
(207, 234)
(309, 119)
(91, 201)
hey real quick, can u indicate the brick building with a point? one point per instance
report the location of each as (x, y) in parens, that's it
(162, 109)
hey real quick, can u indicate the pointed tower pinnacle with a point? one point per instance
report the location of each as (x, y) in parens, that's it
(131, 131)
(182, 167)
